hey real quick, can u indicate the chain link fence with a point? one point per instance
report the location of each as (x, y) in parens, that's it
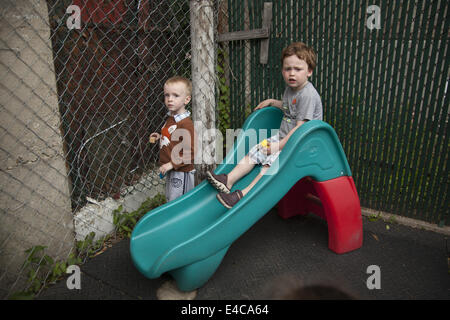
(81, 91)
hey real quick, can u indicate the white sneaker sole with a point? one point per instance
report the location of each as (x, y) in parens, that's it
(219, 186)
(222, 202)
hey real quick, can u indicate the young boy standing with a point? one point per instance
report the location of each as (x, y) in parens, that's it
(300, 103)
(176, 155)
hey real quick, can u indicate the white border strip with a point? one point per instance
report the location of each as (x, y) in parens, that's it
(405, 221)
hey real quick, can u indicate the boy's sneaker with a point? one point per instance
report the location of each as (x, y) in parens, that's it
(218, 181)
(229, 199)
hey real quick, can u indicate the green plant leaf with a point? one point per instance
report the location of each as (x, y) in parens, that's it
(22, 295)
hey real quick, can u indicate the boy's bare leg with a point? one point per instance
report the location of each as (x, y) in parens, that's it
(252, 184)
(230, 199)
(241, 169)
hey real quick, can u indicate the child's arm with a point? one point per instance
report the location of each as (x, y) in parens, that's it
(286, 138)
(278, 146)
(269, 102)
(166, 167)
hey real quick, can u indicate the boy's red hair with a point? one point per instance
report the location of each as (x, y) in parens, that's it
(302, 51)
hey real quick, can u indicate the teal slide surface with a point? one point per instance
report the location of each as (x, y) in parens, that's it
(188, 237)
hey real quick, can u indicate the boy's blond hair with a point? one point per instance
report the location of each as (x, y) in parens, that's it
(302, 51)
(184, 80)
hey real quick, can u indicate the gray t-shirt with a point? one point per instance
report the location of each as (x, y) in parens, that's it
(300, 105)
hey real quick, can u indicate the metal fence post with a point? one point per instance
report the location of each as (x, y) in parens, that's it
(203, 83)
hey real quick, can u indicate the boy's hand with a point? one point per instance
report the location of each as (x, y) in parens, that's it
(267, 147)
(154, 136)
(271, 147)
(166, 167)
(269, 102)
(263, 104)
(264, 147)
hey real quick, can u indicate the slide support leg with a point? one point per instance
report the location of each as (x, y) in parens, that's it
(195, 275)
(339, 206)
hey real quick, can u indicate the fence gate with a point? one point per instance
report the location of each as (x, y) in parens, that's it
(382, 73)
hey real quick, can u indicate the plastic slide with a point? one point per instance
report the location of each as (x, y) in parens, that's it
(189, 237)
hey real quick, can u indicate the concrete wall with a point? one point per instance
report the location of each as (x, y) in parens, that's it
(97, 216)
(34, 189)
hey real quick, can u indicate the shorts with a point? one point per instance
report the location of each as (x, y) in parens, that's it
(258, 157)
(178, 183)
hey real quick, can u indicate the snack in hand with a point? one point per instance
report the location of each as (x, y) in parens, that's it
(264, 143)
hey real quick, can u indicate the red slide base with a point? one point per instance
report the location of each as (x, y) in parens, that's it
(334, 200)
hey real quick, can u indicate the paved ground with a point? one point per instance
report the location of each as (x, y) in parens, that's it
(275, 254)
